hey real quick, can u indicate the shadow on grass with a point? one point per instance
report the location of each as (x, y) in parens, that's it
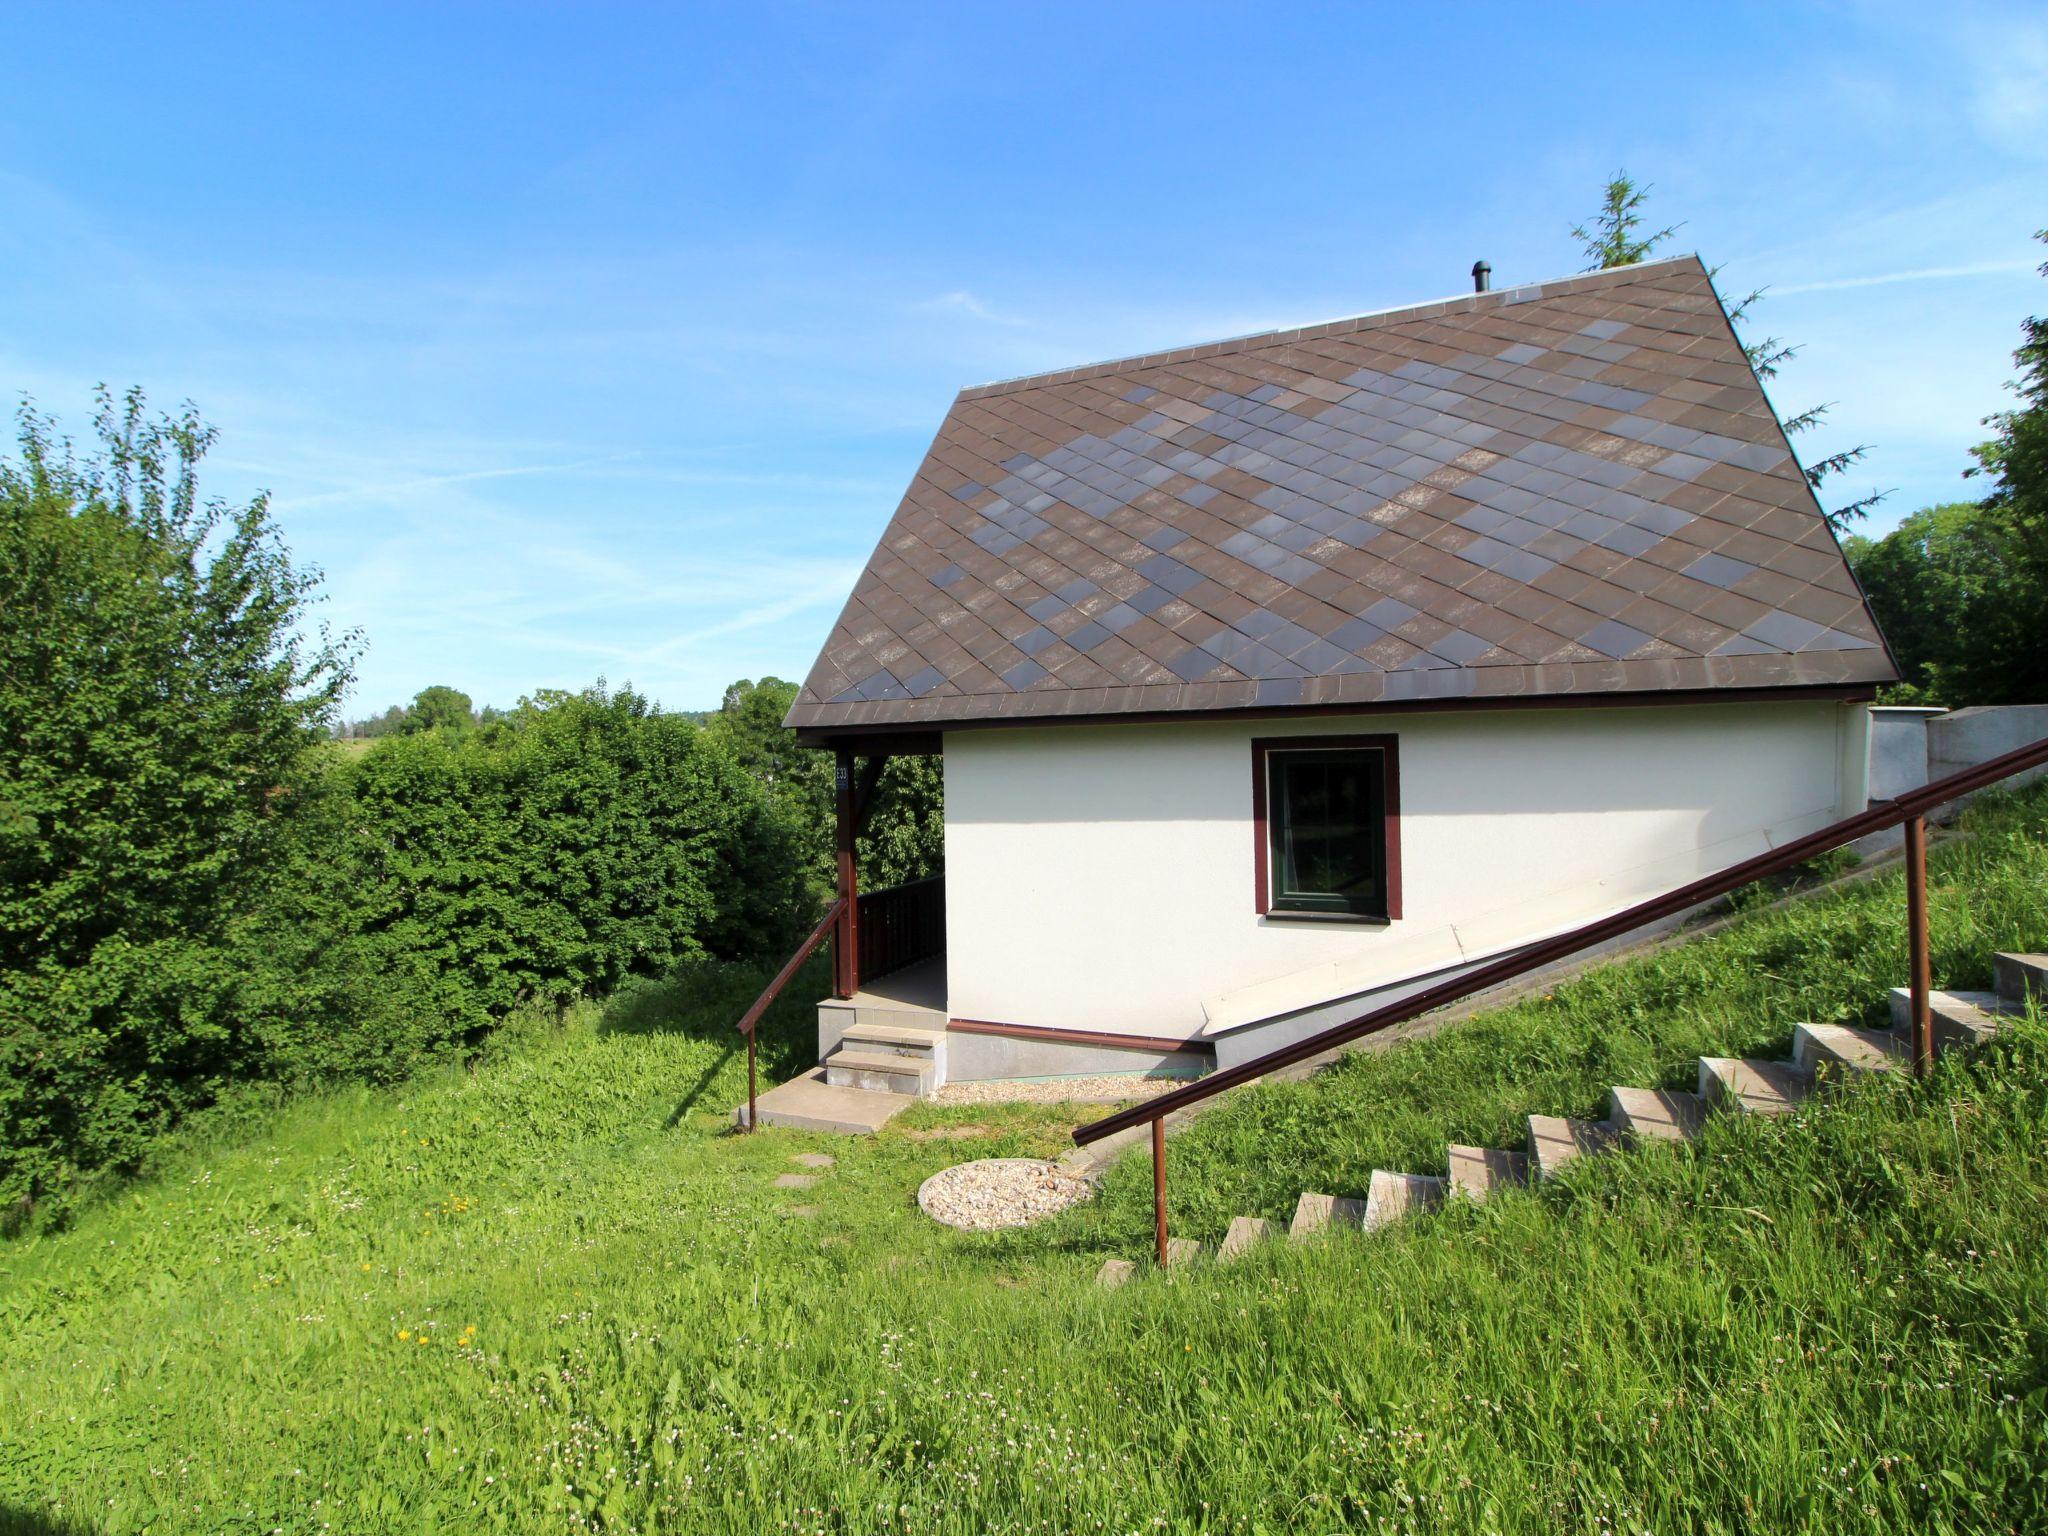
(705, 1000)
(15, 1521)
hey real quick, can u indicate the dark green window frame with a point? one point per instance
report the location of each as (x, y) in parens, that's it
(1327, 814)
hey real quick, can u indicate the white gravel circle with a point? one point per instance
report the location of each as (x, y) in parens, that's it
(999, 1192)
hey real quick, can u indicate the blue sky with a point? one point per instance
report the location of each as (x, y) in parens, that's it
(601, 340)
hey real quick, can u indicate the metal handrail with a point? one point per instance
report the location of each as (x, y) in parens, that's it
(773, 990)
(1908, 810)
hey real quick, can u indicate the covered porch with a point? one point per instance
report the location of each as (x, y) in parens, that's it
(882, 1029)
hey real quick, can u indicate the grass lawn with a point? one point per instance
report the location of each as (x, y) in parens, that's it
(551, 1294)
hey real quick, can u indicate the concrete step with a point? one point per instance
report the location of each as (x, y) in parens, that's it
(1656, 1114)
(893, 1040)
(1246, 1232)
(2021, 977)
(1114, 1272)
(1181, 1252)
(887, 1074)
(809, 1103)
(1555, 1140)
(1315, 1214)
(1756, 1087)
(1959, 1018)
(1842, 1048)
(1393, 1196)
(1478, 1171)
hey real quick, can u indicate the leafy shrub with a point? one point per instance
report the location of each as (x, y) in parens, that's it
(157, 701)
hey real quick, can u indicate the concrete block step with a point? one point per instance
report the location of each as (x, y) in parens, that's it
(1753, 1086)
(1393, 1196)
(1555, 1140)
(809, 1103)
(1478, 1171)
(1181, 1252)
(1959, 1018)
(1843, 1048)
(1245, 1232)
(1656, 1114)
(2021, 977)
(1114, 1272)
(1315, 1214)
(888, 1074)
(892, 1040)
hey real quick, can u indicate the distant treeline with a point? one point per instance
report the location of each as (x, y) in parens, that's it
(198, 887)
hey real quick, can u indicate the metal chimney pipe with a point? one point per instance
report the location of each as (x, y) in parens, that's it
(1482, 276)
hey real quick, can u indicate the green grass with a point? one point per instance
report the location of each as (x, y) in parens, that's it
(1834, 1324)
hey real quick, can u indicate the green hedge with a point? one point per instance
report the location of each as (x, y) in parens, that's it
(197, 887)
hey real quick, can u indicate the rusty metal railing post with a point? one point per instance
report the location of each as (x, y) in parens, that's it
(753, 1118)
(1920, 962)
(1159, 1189)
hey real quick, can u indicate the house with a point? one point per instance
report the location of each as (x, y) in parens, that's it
(1275, 677)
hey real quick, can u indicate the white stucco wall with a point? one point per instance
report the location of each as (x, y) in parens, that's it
(1102, 877)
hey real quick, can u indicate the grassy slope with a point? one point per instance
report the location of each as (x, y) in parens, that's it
(1830, 1325)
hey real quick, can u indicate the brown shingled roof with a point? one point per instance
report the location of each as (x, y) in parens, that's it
(1568, 488)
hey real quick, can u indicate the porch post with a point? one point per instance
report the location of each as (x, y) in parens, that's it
(846, 943)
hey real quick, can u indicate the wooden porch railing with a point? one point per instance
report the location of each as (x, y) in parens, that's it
(1908, 810)
(901, 925)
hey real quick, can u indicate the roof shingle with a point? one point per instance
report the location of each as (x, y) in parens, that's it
(1574, 487)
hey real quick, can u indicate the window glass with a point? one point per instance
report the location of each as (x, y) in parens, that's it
(1327, 821)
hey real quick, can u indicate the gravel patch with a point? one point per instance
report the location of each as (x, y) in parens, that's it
(999, 1192)
(1063, 1090)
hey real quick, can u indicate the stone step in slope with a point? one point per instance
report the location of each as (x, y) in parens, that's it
(1842, 1048)
(1114, 1272)
(1959, 1018)
(879, 1072)
(1392, 1196)
(1246, 1233)
(1555, 1140)
(1656, 1114)
(1181, 1252)
(1753, 1086)
(1477, 1172)
(2020, 977)
(1315, 1214)
(1744, 1085)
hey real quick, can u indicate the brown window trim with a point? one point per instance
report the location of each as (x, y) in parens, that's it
(1385, 744)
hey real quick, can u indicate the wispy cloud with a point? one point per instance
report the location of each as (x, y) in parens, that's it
(1915, 275)
(961, 302)
(392, 490)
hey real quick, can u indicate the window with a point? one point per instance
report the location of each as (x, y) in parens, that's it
(1326, 816)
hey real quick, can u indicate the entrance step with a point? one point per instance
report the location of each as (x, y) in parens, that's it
(809, 1103)
(1479, 1171)
(1657, 1114)
(1315, 1214)
(2021, 977)
(880, 1072)
(1959, 1018)
(1245, 1232)
(1842, 1048)
(1394, 1195)
(1757, 1087)
(1555, 1140)
(894, 1040)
